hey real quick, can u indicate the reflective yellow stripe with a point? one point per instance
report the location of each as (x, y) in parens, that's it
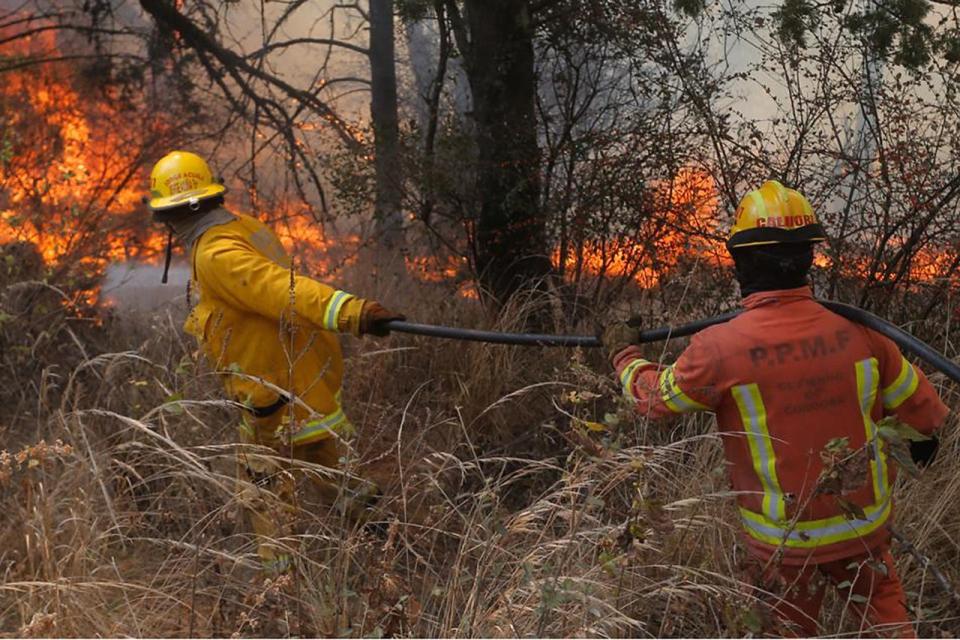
(331, 315)
(815, 533)
(868, 381)
(903, 387)
(674, 397)
(628, 374)
(336, 421)
(754, 417)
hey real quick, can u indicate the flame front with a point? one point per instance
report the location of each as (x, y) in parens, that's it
(71, 167)
(683, 223)
(73, 164)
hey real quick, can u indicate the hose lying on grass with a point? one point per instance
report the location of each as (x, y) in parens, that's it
(903, 339)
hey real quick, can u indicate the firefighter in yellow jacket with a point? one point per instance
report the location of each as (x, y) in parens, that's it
(272, 337)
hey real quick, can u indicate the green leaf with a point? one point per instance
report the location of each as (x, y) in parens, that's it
(184, 366)
(837, 445)
(690, 8)
(611, 419)
(608, 562)
(175, 409)
(879, 566)
(900, 453)
(794, 18)
(753, 621)
(893, 430)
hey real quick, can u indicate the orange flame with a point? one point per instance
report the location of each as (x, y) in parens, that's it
(70, 171)
(685, 208)
(71, 178)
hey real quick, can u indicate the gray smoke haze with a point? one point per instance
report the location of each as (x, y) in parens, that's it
(133, 287)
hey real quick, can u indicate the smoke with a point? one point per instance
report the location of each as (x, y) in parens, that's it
(136, 287)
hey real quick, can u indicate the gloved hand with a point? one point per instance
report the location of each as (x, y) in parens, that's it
(374, 316)
(924, 451)
(617, 337)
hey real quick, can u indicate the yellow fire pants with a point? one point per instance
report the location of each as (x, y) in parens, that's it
(271, 483)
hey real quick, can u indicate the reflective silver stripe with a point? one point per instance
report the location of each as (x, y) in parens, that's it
(818, 532)
(815, 533)
(903, 386)
(674, 397)
(754, 417)
(332, 314)
(868, 381)
(628, 374)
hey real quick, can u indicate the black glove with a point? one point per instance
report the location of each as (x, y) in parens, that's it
(924, 451)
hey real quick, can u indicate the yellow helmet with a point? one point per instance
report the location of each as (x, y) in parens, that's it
(181, 178)
(774, 214)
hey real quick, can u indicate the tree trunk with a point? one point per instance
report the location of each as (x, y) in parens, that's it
(383, 113)
(511, 249)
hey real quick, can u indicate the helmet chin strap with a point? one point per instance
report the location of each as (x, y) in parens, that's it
(169, 255)
(194, 205)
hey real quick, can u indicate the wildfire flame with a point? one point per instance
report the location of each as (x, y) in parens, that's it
(685, 214)
(72, 171)
(69, 168)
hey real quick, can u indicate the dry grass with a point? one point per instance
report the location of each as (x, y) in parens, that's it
(508, 516)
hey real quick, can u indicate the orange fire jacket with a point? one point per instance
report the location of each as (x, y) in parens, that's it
(784, 378)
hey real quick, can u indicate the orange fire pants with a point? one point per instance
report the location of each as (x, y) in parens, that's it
(868, 582)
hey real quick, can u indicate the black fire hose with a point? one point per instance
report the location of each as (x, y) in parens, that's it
(903, 339)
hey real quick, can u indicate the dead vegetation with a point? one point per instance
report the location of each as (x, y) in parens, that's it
(523, 498)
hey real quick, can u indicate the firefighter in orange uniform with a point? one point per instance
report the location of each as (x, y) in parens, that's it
(785, 378)
(272, 336)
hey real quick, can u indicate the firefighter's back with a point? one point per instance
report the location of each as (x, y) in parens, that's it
(801, 386)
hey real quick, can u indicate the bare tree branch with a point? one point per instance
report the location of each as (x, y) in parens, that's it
(322, 41)
(167, 14)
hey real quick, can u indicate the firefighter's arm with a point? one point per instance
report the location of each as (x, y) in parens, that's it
(233, 271)
(686, 386)
(906, 392)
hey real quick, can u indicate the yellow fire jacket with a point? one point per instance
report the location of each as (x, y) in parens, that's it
(263, 327)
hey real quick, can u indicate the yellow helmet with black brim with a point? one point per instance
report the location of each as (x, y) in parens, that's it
(774, 214)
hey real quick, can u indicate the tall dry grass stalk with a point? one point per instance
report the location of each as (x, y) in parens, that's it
(523, 498)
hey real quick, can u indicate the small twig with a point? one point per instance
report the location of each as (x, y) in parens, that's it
(193, 589)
